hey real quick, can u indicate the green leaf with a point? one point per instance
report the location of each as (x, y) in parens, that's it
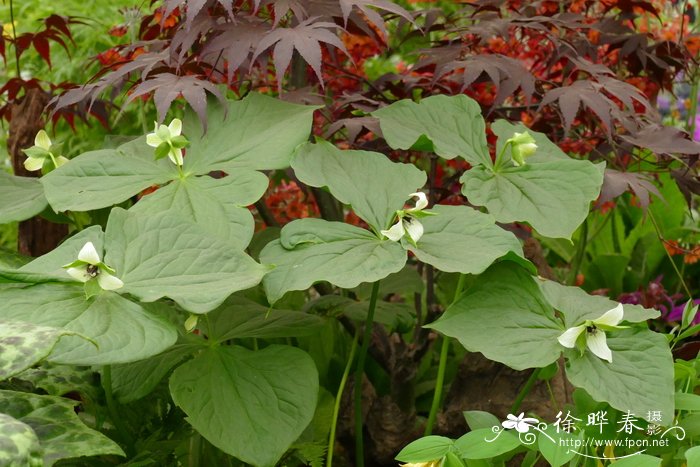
(505, 317)
(122, 330)
(553, 197)
(252, 405)
(162, 256)
(53, 419)
(557, 450)
(98, 179)
(217, 205)
(546, 149)
(461, 239)
(311, 250)
(639, 460)
(453, 124)
(692, 455)
(476, 444)
(58, 380)
(639, 379)
(22, 198)
(257, 132)
(19, 445)
(477, 419)
(406, 282)
(24, 344)
(577, 306)
(239, 318)
(426, 449)
(132, 381)
(687, 401)
(373, 185)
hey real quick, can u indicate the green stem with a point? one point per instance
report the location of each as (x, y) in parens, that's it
(673, 263)
(338, 397)
(525, 390)
(442, 365)
(499, 158)
(114, 414)
(359, 372)
(580, 253)
(14, 37)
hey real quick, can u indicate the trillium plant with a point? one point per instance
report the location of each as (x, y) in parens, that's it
(221, 338)
(42, 151)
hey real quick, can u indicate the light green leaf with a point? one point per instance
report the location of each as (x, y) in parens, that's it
(453, 124)
(474, 445)
(257, 132)
(577, 306)
(132, 381)
(373, 185)
(426, 449)
(22, 198)
(252, 405)
(161, 256)
(23, 344)
(53, 419)
(311, 250)
(687, 401)
(98, 179)
(640, 460)
(553, 197)
(639, 379)
(692, 455)
(19, 445)
(239, 318)
(505, 317)
(559, 451)
(461, 239)
(122, 330)
(217, 205)
(406, 282)
(477, 419)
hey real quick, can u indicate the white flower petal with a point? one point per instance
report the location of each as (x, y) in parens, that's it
(33, 163)
(597, 343)
(60, 160)
(79, 273)
(509, 424)
(153, 140)
(108, 281)
(175, 127)
(569, 337)
(175, 155)
(414, 228)
(421, 202)
(611, 317)
(42, 140)
(89, 254)
(395, 232)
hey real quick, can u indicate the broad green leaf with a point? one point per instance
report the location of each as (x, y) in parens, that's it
(461, 239)
(639, 460)
(406, 282)
(122, 330)
(132, 381)
(639, 379)
(53, 419)
(505, 317)
(556, 446)
(577, 306)
(98, 179)
(426, 449)
(22, 198)
(162, 256)
(23, 344)
(453, 124)
(687, 401)
(484, 444)
(19, 445)
(58, 380)
(692, 455)
(312, 250)
(257, 132)
(553, 197)
(250, 404)
(373, 185)
(477, 419)
(217, 205)
(398, 316)
(239, 317)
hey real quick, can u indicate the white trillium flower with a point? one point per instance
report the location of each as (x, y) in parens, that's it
(89, 266)
(593, 332)
(168, 140)
(37, 154)
(408, 222)
(521, 423)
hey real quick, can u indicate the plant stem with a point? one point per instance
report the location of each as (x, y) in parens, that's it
(338, 397)
(117, 419)
(14, 37)
(359, 372)
(525, 390)
(670, 258)
(442, 365)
